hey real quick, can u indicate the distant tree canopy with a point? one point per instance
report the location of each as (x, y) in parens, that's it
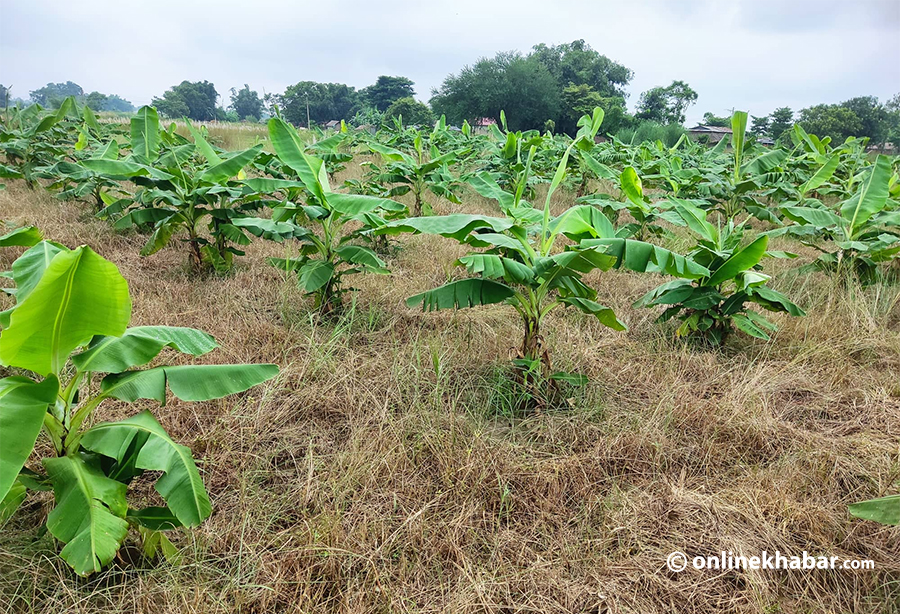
(666, 105)
(578, 64)
(759, 125)
(830, 120)
(710, 119)
(95, 100)
(385, 91)
(327, 101)
(246, 103)
(117, 104)
(194, 100)
(413, 112)
(4, 95)
(521, 86)
(55, 93)
(862, 116)
(550, 83)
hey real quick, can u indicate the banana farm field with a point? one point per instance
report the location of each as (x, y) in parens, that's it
(432, 369)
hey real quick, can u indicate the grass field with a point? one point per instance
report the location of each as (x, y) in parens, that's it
(389, 469)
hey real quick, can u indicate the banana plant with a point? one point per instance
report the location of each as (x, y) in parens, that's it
(68, 332)
(857, 235)
(735, 187)
(417, 173)
(587, 166)
(645, 212)
(182, 195)
(330, 255)
(711, 306)
(518, 263)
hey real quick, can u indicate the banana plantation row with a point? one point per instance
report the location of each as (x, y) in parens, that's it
(68, 335)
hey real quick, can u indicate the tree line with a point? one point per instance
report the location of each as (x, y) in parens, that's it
(547, 89)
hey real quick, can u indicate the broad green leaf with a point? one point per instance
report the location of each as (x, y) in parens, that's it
(739, 262)
(820, 218)
(456, 226)
(363, 256)
(491, 266)
(582, 222)
(231, 167)
(461, 294)
(11, 501)
(356, 204)
(606, 315)
(155, 518)
(26, 236)
(187, 382)
(116, 168)
(314, 275)
(871, 197)
(145, 134)
(79, 295)
(89, 513)
(23, 404)
(139, 345)
(203, 145)
(885, 510)
(631, 186)
(180, 485)
(822, 175)
(290, 151)
(488, 187)
(738, 130)
(645, 257)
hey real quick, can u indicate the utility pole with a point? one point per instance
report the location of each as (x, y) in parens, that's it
(307, 111)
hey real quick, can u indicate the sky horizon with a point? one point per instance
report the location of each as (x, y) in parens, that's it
(754, 55)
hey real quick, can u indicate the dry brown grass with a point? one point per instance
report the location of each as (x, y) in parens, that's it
(366, 479)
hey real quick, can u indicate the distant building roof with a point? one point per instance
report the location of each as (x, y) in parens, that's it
(332, 123)
(708, 129)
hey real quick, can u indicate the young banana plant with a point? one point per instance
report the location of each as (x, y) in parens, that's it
(69, 329)
(860, 232)
(417, 173)
(710, 305)
(587, 166)
(180, 195)
(328, 256)
(518, 263)
(646, 213)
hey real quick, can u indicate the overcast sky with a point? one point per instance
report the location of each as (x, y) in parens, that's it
(754, 55)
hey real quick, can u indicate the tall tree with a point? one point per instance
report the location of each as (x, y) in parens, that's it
(413, 112)
(780, 121)
(759, 125)
(522, 87)
(386, 90)
(116, 103)
(96, 101)
(55, 92)
(874, 117)
(579, 64)
(195, 100)
(246, 103)
(326, 101)
(832, 120)
(666, 105)
(711, 119)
